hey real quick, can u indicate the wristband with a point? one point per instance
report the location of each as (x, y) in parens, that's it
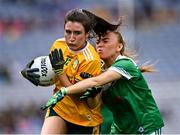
(64, 91)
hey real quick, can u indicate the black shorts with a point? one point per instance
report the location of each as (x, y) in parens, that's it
(73, 128)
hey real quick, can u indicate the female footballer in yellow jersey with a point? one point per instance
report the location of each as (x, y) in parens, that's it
(72, 115)
(84, 60)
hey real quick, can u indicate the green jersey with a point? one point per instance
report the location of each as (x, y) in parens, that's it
(130, 100)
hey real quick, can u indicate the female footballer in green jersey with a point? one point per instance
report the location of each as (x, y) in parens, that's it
(128, 96)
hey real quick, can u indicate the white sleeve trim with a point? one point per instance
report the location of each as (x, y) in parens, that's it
(121, 71)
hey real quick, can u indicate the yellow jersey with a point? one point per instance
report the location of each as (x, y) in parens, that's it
(71, 108)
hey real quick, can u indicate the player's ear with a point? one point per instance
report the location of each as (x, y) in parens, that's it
(119, 47)
(87, 35)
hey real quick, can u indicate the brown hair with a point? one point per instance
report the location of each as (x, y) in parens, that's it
(93, 24)
(77, 15)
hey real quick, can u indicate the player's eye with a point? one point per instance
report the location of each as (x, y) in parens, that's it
(77, 32)
(105, 41)
(68, 32)
(97, 41)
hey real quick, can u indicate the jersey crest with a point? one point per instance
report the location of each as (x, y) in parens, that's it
(75, 64)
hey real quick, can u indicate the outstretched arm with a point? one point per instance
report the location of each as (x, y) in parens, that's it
(99, 80)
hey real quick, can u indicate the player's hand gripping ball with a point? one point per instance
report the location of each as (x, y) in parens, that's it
(39, 72)
(57, 61)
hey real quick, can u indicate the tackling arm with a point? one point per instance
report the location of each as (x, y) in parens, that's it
(99, 80)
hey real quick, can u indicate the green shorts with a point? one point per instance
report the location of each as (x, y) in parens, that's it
(73, 128)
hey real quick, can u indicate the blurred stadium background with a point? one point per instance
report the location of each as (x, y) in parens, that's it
(29, 27)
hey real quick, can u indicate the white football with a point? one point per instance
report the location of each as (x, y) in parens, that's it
(47, 75)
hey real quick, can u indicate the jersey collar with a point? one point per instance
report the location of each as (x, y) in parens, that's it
(125, 57)
(87, 45)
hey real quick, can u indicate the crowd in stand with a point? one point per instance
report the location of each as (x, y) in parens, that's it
(26, 120)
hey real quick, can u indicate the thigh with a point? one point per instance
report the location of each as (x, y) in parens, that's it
(53, 125)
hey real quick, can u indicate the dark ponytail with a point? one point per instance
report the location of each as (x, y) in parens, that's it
(99, 25)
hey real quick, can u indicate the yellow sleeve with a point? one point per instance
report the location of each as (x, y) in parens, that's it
(59, 44)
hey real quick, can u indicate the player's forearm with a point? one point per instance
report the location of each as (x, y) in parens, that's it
(99, 80)
(82, 86)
